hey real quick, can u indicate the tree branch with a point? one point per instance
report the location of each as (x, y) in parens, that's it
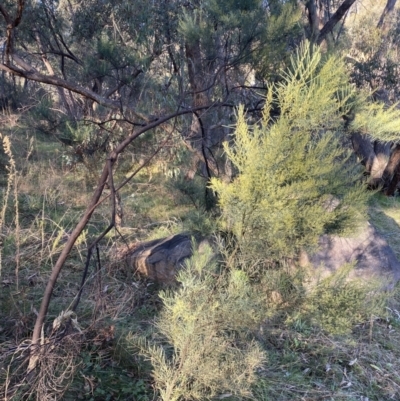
(387, 10)
(20, 10)
(5, 14)
(328, 27)
(313, 18)
(29, 72)
(94, 202)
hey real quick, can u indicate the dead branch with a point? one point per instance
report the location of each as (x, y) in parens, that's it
(336, 17)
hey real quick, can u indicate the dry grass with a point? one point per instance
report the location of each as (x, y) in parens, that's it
(314, 366)
(50, 202)
(57, 365)
(303, 363)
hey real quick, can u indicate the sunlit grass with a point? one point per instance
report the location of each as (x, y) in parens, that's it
(303, 361)
(385, 216)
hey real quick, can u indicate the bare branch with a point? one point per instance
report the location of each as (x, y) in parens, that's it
(340, 12)
(32, 74)
(20, 9)
(57, 35)
(94, 202)
(5, 14)
(50, 70)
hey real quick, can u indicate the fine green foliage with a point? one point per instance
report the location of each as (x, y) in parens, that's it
(337, 302)
(242, 18)
(380, 122)
(284, 22)
(205, 350)
(295, 178)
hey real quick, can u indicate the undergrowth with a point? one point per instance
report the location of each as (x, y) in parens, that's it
(299, 338)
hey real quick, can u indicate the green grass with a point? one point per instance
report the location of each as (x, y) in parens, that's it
(317, 366)
(384, 213)
(303, 361)
(51, 200)
(306, 363)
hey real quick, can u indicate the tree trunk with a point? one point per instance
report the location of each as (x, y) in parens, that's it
(375, 156)
(388, 176)
(313, 18)
(391, 189)
(336, 17)
(198, 139)
(364, 149)
(382, 24)
(379, 163)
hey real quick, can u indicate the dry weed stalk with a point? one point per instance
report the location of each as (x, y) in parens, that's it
(12, 182)
(7, 147)
(56, 367)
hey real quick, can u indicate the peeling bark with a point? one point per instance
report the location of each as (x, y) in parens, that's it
(379, 163)
(390, 170)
